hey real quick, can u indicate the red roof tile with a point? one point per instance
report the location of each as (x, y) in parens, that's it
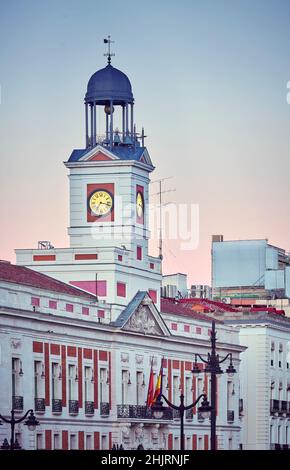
(22, 275)
(174, 307)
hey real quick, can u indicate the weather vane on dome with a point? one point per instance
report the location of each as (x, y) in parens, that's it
(109, 54)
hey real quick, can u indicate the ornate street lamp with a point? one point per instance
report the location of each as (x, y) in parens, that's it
(158, 411)
(31, 422)
(213, 368)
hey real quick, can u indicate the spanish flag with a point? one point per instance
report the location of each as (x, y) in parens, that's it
(158, 388)
(150, 393)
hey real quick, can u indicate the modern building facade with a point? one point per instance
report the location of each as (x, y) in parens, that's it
(249, 270)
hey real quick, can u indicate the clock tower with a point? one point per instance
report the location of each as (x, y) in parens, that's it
(108, 178)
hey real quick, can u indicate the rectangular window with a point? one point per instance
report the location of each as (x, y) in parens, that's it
(186, 328)
(153, 295)
(101, 313)
(69, 307)
(73, 442)
(56, 441)
(37, 379)
(139, 253)
(121, 289)
(120, 258)
(89, 442)
(52, 304)
(139, 388)
(124, 386)
(198, 330)
(54, 380)
(39, 441)
(15, 376)
(174, 326)
(85, 311)
(71, 381)
(35, 301)
(151, 265)
(103, 385)
(88, 383)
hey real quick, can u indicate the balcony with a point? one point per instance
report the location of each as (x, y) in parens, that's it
(17, 403)
(89, 408)
(141, 412)
(231, 416)
(189, 414)
(56, 405)
(39, 405)
(73, 407)
(274, 407)
(104, 409)
(285, 447)
(241, 407)
(283, 407)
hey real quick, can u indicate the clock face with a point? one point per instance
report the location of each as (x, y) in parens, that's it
(140, 204)
(100, 203)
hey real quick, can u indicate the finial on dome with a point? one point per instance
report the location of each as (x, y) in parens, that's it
(109, 54)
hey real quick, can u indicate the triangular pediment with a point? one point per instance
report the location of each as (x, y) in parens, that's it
(142, 316)
(98, 154)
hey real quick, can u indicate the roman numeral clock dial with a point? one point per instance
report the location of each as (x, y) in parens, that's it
(100, 203)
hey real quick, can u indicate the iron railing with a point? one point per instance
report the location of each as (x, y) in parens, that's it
(274, 406)
(141, 412)
(39, 405)
(73, 407)
(56, 405)
(231, 415)
(17, 403)
(104, 409)
(89, 408)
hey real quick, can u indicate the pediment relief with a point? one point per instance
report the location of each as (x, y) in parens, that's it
(143, 321)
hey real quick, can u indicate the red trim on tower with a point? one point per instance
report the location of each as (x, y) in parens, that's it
(81, 256)
(37, 347)
(63, 375)
(96, 440)
(88, 353)
(140, 189)
(96, 374)
(91, 188)
(64, 440)
(44, 258)
(48, 440)
(71, 351)
(80, 373)
(81, 440)
(194, 441)
(47, 373)
(55, 349)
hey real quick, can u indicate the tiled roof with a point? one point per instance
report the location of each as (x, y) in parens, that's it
(211, 305)
(174, 307)
(25, 276)
(123, 153)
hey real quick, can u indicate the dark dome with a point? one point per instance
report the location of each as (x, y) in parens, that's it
(109, 84)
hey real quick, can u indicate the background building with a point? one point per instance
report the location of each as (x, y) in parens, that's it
(249, 270)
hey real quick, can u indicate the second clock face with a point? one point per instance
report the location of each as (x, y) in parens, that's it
(101, 203)
(139, 204)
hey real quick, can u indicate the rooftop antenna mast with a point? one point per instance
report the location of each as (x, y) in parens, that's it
(159, 193)
(109, 54)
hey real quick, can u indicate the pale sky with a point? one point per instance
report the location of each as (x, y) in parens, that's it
(209, 79)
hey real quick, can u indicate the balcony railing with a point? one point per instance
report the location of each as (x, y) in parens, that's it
(241, 407)
(189, 414)
(274, 406)
(283, 406)
(105, 409)
(56, 405)
(231, 415)
(17, 403)
(39, 405)
(89, 408)
(141, 412)
(73, 407)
